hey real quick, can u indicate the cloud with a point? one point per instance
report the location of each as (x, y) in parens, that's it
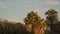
(36, 0)
(49, 2)
(3, 5)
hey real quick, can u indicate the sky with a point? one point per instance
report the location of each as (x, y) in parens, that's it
(17, 10)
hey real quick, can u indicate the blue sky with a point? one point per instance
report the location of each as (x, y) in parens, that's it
(17, 9)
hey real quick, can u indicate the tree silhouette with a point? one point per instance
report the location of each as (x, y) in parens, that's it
(52, 21)
(35, 22)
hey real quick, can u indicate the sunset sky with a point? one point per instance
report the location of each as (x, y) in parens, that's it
(17, 9)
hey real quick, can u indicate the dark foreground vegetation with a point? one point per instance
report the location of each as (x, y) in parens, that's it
(10, 28)
(34, 24)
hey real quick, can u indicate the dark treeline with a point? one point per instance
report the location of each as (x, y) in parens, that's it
(34, 24)
(10, 28)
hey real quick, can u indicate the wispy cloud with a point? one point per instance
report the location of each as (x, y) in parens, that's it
(3, 5)
(49, 2)
(36, 0)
